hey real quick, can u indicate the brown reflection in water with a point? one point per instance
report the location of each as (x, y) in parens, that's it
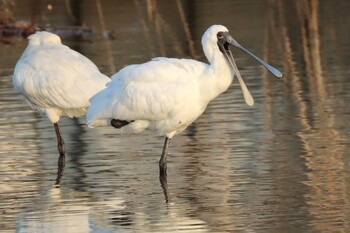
(165, 32)
(209, 188)
(217, 185)
(144, 25)
(107, 42)
(188, 34)
(324, 159)
(207, 181)
(322, 142)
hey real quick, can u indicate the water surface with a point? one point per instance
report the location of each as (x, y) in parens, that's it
(279, 166)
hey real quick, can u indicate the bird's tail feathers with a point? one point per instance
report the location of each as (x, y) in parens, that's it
(99, 112)
(99, 122)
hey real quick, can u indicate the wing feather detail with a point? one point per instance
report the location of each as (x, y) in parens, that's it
(56, 76)
(152, 91)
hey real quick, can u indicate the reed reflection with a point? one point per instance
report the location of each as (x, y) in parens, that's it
(281, 166)
(323, 152)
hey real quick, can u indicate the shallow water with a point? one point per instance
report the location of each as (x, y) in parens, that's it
(279, 166)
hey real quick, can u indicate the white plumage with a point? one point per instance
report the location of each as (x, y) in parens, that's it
(166, 95)
(142, 93)
(56, 80)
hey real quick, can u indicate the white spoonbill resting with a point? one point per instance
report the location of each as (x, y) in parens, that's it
(166, 94)
(55, 80)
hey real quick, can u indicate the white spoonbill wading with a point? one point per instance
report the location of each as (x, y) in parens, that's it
(166, 94)
(56, 80)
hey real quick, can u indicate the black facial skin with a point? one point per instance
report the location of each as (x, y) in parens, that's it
(222, 43)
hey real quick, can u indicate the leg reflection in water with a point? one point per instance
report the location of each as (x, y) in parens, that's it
(164, 184)
(60, 167)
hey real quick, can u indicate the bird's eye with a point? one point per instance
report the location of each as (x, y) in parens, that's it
(220, 35)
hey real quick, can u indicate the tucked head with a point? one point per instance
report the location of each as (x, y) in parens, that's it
(43, 38)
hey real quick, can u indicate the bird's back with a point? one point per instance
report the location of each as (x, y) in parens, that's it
(52, 76)
(156, 91)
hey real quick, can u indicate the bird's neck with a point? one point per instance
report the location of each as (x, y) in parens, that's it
(219, 76)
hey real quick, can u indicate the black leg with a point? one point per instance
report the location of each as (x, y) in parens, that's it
(162, 161)
(60, 167)
(59, 139)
